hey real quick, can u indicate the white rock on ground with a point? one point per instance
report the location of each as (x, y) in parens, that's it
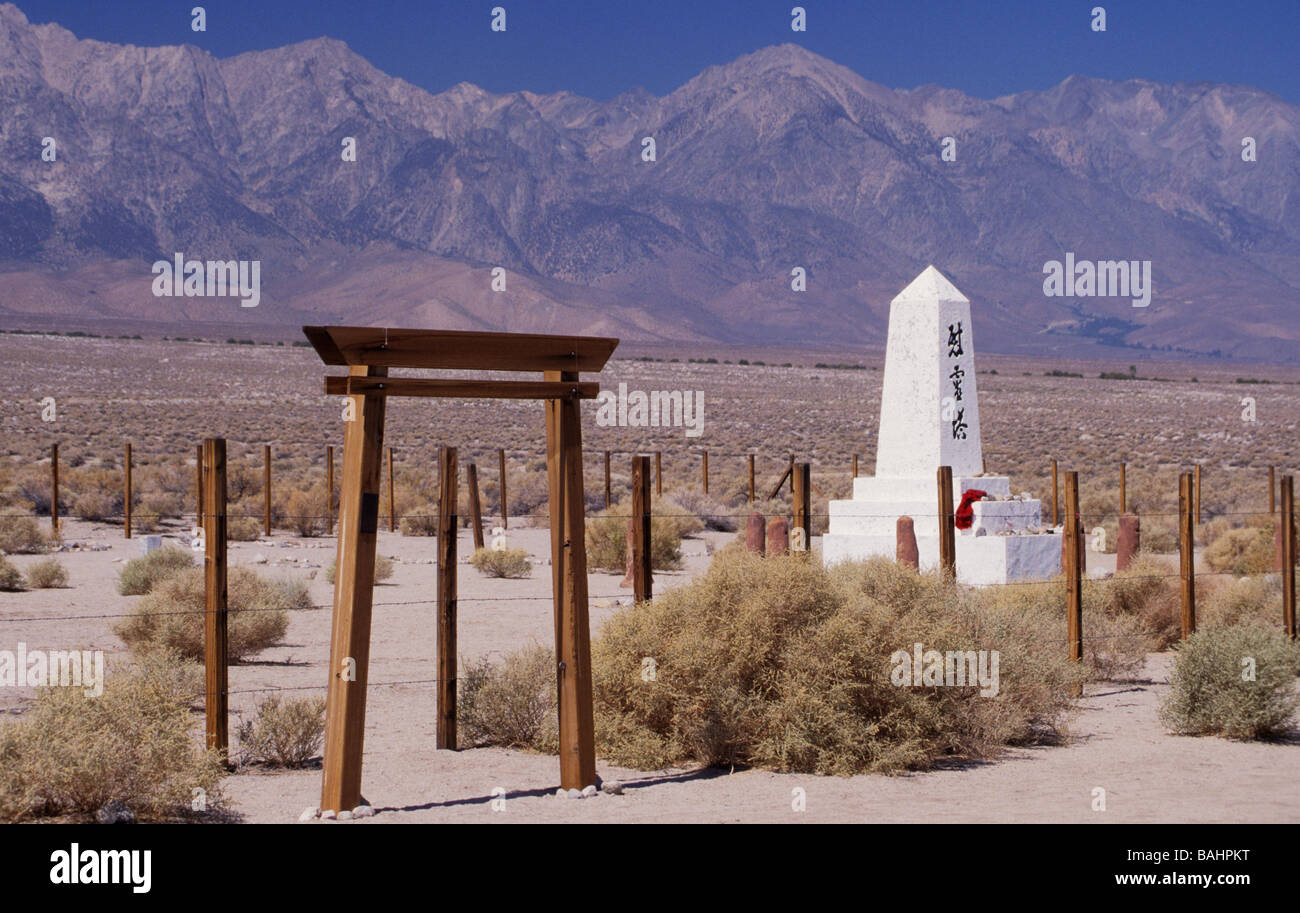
(588, 792)
(328, 814)
(309, 813)
(363, 811)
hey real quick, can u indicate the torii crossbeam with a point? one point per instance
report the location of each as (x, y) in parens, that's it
(368, 353)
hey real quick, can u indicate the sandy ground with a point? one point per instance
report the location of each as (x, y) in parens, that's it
(1116, 744)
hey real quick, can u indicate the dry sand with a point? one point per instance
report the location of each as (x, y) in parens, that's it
(1117, 743)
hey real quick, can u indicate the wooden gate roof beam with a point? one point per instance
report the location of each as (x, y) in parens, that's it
(460, 389)
(458, 350)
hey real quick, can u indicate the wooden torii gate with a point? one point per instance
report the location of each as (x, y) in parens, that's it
(368, 353)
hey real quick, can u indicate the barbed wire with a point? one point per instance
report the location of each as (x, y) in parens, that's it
(294, 608)
(1056, 581)
(278, 520)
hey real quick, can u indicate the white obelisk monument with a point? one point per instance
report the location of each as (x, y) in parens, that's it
(929, 417)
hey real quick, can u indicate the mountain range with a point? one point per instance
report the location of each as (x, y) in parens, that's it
(776, 160)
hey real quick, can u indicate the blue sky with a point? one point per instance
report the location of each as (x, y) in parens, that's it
(599, 48)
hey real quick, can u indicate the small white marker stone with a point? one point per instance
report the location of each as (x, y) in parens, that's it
(310, 813)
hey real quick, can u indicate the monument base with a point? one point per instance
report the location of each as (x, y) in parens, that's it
(981, 560)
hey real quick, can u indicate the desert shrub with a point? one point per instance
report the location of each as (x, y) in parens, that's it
(513, 704)
(172, 614)
(1159, 535)
(243, 481)
(712, 513)
(11, 579)
(97, 505)
(162, 504)
(420, 521)
(71, 753)
(31, 484)
(1146, 590)
(1250, 600)
(783, 664)
(677, 518)
(285, 732)
(1212, 693)
(46, 574)
(305, 512)
(510, 562)
(384, 568)
(21, 535)
(140, 575)
(243, 529)
(1115, 643)
(526, 491)
(143, 522)
(1241, 551)
(607, 540)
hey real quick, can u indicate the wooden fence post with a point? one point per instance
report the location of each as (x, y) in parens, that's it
(448, 498)
(947, 527)
(642, 575)
(577, 731)
(501, 471)
(1288, 556)
(776, 489)
(1056, 517)
(659, 475)
(329, 487)
(855, 465)
(475, 506)
(215, 640)
(354, 580)
(266, 489)
(704, 469)
(608, 491)
(392, 513)
(1123, 488)
(126, 493)
(1186, 554)
(1198, 494)
(198, 488)
(751, 478)
(1073, 570)
(801, 490)
(1272, 492)
(54, 488)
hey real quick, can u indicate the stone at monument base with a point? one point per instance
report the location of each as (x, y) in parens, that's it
(981, 560)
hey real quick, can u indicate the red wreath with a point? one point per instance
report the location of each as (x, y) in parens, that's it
(965, 513)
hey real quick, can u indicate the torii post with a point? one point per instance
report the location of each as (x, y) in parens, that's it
(369, 353)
